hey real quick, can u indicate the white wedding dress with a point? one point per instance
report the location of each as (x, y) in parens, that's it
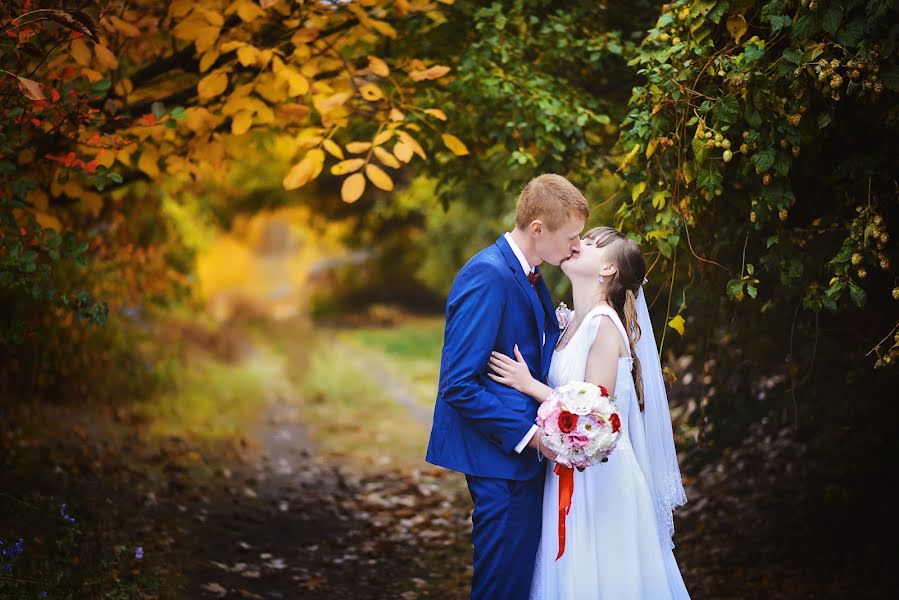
(614, 549)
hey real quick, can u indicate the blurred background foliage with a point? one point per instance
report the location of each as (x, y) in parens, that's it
(159, 159)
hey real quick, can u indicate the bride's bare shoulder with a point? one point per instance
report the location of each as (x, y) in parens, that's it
(608, 339)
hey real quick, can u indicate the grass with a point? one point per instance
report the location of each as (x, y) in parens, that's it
(214, 399)
(412, 352)
(351, 416)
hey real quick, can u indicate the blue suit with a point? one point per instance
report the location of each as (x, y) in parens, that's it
(478, 422)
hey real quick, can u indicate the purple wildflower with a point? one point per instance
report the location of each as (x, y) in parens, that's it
(43, 594)
(15, 550)
(64, 515)
(7, 568)
(139, 552)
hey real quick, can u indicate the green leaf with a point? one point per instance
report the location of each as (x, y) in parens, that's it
(831, 18)
(857, 294)
(753, 292)
(752, 116)
(727, 109)
(851, 33)
(890, 77)
(763, 159)
(804, 27)
(793, 56)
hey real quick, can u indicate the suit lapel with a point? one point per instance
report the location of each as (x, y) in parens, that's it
(552, 332)
(526, 288)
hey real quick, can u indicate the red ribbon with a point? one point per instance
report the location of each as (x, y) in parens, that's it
(566, 489)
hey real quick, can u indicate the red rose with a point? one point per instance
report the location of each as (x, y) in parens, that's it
(616, 422)
(603, 391)
(567, 421)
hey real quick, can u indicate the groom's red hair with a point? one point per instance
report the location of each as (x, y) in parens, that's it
(552, 199)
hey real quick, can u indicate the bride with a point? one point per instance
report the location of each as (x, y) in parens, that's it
(619, 528)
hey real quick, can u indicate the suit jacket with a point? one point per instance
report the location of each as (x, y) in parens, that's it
(478, 422)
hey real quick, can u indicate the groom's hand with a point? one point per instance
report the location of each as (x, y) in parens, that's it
(536, 444)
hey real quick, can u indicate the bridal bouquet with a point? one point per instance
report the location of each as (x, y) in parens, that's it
(580, 423)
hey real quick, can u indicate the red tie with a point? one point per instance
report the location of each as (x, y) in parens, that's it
(533, 277)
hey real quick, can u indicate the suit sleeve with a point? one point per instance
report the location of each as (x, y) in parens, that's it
(474, 314)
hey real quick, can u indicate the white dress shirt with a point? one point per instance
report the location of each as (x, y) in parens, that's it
(526, 266)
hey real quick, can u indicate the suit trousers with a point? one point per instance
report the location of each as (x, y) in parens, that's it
(506, 525)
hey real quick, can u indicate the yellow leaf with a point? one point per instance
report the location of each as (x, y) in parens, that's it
(267, 3)
(304, 171)
(658, 200)
(409, 140)
(384, 28)
(124, 27)
(235, 103)
(206, 38)
(81, 52)
(242, 122)
(435, 72)
(213, 17)
(436, 113)
(91, 75)
(378, 177)
(48, 220)
(629, 157)
(384, 136)
(147, 162)
(208, 59)
(358, 147)
(38, 198)
(454, 144)
(378, 66)
(247, 55)
(352, 188)
(371, 92)
(677, 324)
(651, 147)
(106, 158)
(93, 201)
(736, 26)
(304, 36)
(124, 87)
(297, 85)
(248, 11)
(347, 166)
(403, 151)
(637, 190)
(396, 115)
(331, 102)
(213, 84)
(387, 158)
(199, 119)
(105, 56)
(333, 149)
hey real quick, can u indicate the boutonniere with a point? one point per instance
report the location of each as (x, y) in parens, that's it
(563, 314)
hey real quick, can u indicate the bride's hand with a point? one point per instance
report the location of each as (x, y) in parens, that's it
(511, 372)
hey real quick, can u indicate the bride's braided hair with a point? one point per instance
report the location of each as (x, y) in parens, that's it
(623, 287)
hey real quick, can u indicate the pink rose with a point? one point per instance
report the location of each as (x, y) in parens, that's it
(548, 417)
(578, 440)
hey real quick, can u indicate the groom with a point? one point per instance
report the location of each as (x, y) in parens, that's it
(486, 430)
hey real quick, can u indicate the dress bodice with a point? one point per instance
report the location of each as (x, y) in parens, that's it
(570, 363)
